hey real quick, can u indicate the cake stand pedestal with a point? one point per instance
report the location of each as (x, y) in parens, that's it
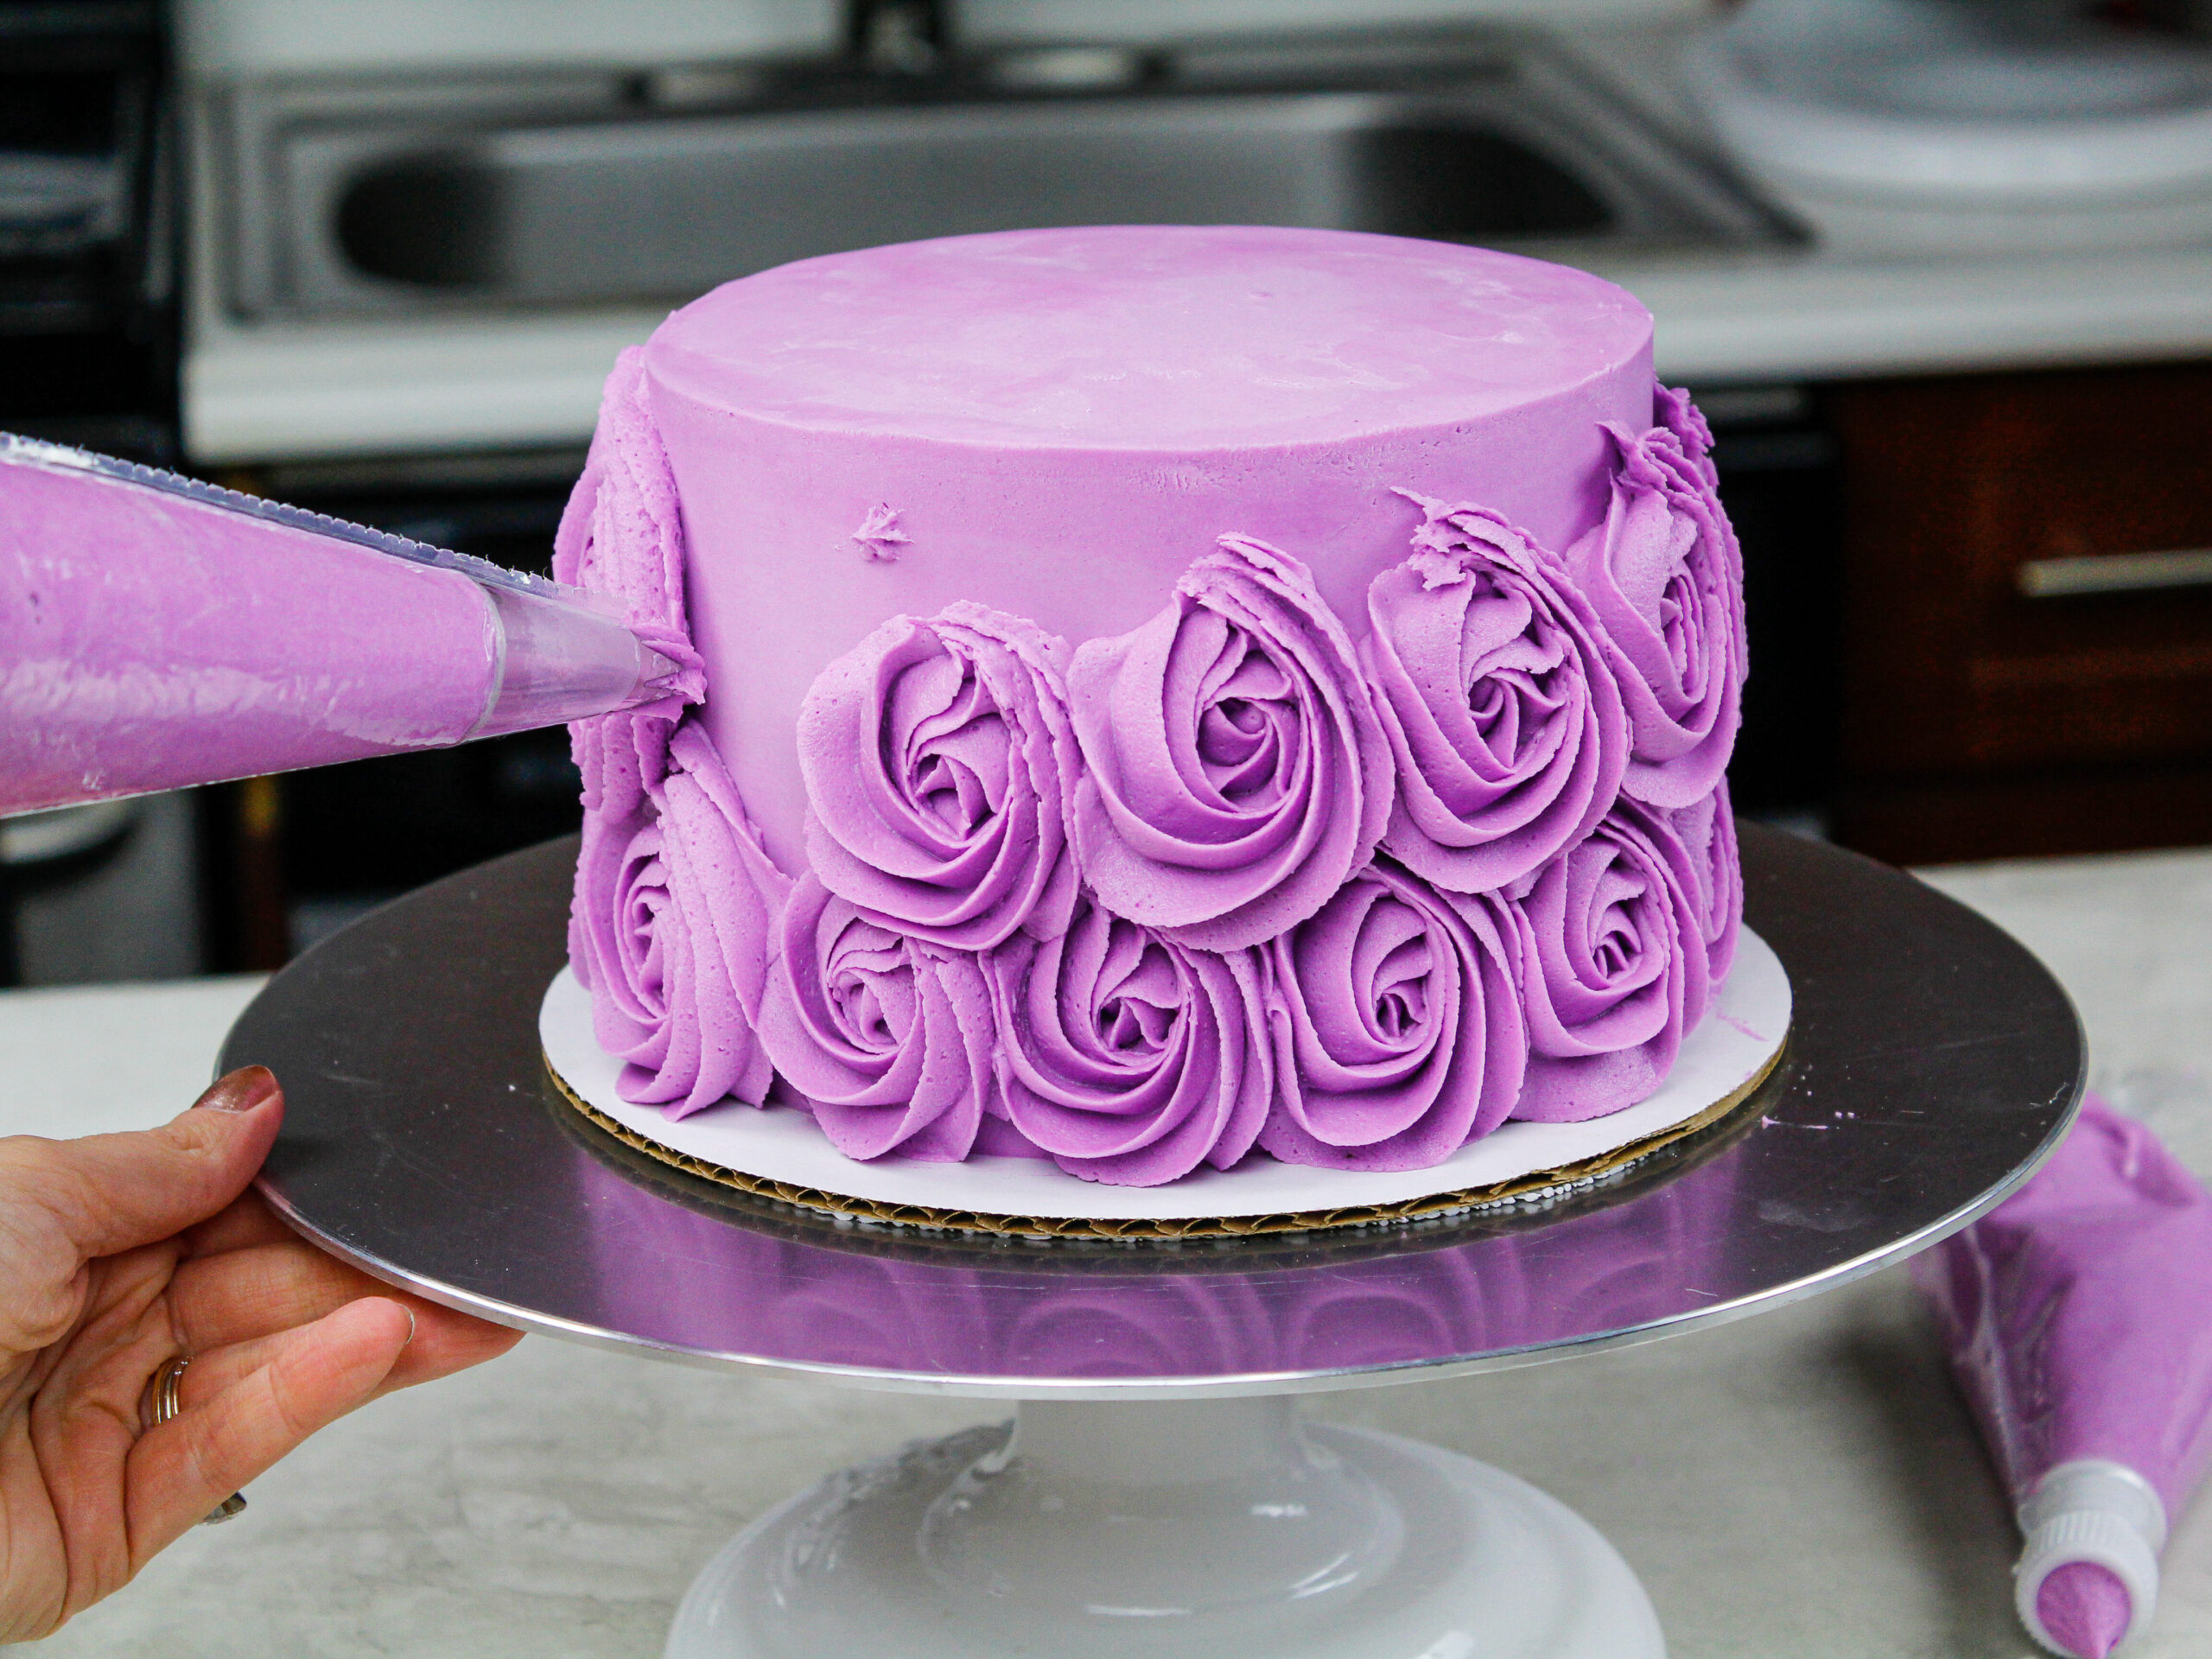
(1201, 1527)
(1157, 1494)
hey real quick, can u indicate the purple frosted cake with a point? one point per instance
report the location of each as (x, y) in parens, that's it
(1155, 697)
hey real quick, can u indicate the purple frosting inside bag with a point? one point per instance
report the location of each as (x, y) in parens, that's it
(2078, 1314)
(2086, 1608)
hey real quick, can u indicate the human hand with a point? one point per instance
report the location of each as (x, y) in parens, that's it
(120, 1251)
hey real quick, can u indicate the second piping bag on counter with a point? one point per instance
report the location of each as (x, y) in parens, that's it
(2078, 1317)
(157, 631)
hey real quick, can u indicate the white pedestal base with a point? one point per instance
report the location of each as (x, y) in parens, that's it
(1210, 1529)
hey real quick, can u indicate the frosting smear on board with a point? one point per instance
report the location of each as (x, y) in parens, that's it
(1169, 695)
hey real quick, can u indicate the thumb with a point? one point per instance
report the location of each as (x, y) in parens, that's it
(113, 1192)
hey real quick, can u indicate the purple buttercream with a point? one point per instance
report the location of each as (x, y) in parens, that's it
(674, 895)
(939, 763)
(1671, 407)
(1665, 577)
(622, 534)
(1708, 830)
(1236, 774)
(1128, 1058)
(1396, 1024)
(2086, 1608)
(1124, 906)
(1488, 675)
(888, 1039)
(879, 537)
(1613, 971)
(149, 642)
(675, 903)
(2078, 1314)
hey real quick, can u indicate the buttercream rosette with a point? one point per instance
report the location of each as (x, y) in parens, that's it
(675, 906)
(1502, 710)
(1664, 577)
(1673, 408)
(1708, 831)
(621, 535)
(1125, 1056)
(1222, 882)
(887, 1038)
(1396, 1024)
(939, 765)
(1236, 774)
(1613, 967)
(674, 896)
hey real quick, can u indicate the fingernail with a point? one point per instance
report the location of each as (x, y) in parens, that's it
(411, 1325)
(241, 1090)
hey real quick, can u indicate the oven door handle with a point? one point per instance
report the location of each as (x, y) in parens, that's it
(2115, 573)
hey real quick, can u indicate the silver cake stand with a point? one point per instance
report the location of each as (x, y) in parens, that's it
(1157, 1494)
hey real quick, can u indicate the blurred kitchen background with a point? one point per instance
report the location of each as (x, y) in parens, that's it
(1940, 272)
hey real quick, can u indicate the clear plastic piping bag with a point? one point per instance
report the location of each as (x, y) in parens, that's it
(2078, 1316)
(157, 631)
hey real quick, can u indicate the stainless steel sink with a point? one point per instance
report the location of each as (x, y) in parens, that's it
(584, 190)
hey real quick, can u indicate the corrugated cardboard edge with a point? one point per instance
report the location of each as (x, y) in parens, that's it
(1536, 1187)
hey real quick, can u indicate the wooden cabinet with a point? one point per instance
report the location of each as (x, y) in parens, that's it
(2012, 684)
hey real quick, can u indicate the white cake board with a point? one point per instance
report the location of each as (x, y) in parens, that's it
(1736, 1043)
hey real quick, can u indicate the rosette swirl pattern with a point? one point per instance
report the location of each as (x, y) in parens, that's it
(674, 900)
(1613, 967)
(1501, 707)
(1706, 829)
(1396, 1024)
(1127, 1057)
(1236, 774)
(622, 534)
(1663, 576)
(1672, 408)
(887, 1038)
(939, 765)
(675, 906)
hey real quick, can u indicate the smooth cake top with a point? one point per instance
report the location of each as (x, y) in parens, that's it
(1147, 337)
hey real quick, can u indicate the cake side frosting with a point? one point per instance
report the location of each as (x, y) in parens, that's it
(1055, 423)
(1164, 841)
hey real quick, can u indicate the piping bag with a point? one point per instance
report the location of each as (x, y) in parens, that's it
(157, 631)
(2078, 1316)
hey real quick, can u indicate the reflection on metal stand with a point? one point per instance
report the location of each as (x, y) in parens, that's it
(1157, 1498)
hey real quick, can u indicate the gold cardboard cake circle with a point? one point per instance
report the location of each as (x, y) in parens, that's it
(1533, 1187)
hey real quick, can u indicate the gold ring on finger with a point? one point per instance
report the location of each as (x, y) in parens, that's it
(164, 1399)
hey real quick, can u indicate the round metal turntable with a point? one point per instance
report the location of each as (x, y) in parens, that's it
(1157, 1496)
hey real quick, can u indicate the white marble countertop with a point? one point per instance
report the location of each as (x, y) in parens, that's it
(1804, 1483)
